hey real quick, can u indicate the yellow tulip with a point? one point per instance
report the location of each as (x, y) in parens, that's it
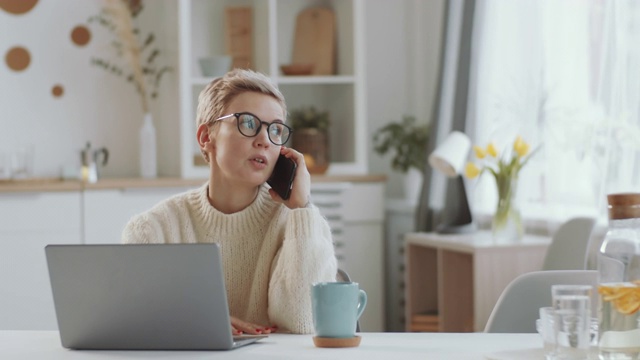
(517, 142)
(480, 154)
(491, 150)
(520, 147)
(471, 170)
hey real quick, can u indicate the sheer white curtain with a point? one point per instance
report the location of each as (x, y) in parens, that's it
(566, 76)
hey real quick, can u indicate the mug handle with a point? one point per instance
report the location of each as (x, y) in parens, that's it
(362, 303)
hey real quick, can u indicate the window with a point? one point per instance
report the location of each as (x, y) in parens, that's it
(566, 76)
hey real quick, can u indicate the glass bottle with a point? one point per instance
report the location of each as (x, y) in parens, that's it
(619, 288)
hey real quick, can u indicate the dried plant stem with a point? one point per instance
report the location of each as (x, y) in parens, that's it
(123, 22)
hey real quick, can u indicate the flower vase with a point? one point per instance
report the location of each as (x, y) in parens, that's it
(506, 224)
(148, 158)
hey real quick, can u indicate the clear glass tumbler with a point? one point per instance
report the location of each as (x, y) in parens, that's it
(22, 163)
(5, 166)
(572, 321)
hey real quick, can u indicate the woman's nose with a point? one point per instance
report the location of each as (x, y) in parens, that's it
(262, 139)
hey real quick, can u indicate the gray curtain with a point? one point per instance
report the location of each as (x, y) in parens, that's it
(449, 112)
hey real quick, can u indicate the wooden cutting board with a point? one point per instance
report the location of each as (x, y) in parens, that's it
(315, 40)
(238, 36)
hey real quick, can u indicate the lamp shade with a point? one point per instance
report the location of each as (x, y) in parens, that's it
(450, 156)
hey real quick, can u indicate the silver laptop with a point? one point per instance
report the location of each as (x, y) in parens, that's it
(141, 297)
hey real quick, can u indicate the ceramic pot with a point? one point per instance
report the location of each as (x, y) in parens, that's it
(412, 185)
(314, 144)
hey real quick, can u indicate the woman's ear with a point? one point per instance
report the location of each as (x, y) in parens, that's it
(204, 137)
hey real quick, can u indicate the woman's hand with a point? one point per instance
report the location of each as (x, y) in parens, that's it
(239, 327)
(301, 189)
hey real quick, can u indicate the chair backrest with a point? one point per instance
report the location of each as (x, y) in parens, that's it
(518, 307)
(569, 248)
(343, 276)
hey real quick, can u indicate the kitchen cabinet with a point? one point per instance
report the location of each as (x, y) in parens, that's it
(202, 34)
(107, 211)
(400, 221)
(355, 212)
(28, 222)
(97, 214)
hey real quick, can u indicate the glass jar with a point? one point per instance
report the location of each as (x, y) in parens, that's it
(619, 288)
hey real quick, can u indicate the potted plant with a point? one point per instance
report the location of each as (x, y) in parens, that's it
(408, 141)
(310, 137)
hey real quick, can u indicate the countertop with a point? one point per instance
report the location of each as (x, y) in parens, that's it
(55, 184)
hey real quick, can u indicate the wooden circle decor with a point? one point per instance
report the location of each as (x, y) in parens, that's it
(57, 90)
(80, 35)
(18, 58)
(17, 7)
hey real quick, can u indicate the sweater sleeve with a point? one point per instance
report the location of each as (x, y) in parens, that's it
(306, 256)
(142, 229)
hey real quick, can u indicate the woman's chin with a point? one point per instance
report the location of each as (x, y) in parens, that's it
(257, 181)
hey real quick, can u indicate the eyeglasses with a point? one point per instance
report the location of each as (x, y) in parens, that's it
(250, 125)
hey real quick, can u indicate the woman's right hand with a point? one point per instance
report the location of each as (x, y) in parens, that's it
(239, 327)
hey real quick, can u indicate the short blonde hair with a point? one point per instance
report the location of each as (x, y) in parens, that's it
(219, 93)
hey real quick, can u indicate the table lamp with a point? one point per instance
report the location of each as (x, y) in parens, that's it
(449, 158)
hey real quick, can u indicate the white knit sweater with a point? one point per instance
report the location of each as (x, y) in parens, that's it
(271, 254)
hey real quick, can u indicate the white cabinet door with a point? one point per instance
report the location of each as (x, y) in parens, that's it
(355, 212)
(365, 265)
(400, 220)
(106, 212)
(363, 238)
(29, 222)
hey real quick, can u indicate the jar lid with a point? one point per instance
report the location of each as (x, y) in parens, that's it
(624, 205)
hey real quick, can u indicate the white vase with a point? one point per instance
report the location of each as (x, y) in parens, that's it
(413, 185)
(148, 159)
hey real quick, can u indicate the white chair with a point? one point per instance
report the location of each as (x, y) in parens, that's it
(569, 249)
(517, 308)
(344, 276)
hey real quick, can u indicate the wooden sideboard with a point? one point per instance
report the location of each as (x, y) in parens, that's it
(452, 282)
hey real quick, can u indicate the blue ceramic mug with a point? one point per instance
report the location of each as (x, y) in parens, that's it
(337, 306)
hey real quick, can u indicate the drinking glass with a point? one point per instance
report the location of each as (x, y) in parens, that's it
(547, 331)
(22, 161)
(571, 321)
(5, 166)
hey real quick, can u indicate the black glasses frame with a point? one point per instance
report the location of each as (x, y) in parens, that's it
(260, 123)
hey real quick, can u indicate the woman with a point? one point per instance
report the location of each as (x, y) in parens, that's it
(273, 250)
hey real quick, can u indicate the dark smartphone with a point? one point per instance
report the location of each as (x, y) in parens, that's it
(282, 177)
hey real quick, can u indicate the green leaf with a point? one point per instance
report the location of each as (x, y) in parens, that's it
(407, 140)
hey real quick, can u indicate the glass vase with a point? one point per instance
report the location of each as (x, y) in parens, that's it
(506, 224)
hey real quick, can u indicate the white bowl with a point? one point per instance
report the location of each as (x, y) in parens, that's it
(215, 66)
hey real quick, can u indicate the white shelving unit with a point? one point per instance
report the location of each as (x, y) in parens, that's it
(201, 29)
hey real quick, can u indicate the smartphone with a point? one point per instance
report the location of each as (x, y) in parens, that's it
(282, 177)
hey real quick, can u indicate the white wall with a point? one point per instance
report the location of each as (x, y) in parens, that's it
(96, 106)
(403, 45)
(401, 54)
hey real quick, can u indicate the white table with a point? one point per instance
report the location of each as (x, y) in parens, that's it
(452, 282)
(36, 345)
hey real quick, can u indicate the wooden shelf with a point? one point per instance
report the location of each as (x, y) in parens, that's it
(426, 322)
